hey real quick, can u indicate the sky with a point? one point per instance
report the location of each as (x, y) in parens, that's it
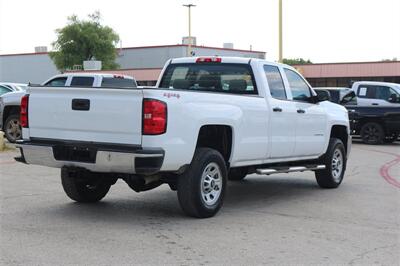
(319, 30)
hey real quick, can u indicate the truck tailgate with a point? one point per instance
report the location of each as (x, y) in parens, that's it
(86, 114)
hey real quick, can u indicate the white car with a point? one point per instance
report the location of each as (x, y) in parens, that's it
(10, 102)
(372, 93)
(209, 119)
(6, 87)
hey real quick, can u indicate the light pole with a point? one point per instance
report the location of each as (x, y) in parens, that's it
(280, 32)
(189, 49)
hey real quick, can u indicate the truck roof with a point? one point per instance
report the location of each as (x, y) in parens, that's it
(226, 59)
(91, 74)
(377, 83)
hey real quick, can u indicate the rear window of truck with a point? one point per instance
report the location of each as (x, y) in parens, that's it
(118, 83)
(213, 77)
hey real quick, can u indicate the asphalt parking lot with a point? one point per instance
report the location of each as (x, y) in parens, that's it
(280, 219)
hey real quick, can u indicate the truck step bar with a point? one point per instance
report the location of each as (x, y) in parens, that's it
(278, 170)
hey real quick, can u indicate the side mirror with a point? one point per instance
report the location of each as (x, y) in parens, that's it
(348, 98)
(394, 98)
(322, 95)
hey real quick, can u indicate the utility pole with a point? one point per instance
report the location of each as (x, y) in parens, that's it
(280, 33)
(189, 49)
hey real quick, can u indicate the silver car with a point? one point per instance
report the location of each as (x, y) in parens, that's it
(9, 117)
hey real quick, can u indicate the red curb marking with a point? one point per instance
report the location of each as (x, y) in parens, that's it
(384, 170)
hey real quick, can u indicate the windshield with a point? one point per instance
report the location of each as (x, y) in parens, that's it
(225, 78)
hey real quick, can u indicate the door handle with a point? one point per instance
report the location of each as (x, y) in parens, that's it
(277, 109)
(375, 104)
(301, 111)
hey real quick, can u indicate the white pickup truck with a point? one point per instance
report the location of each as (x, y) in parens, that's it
(208, 119)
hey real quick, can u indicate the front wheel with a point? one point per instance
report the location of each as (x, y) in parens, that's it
(201, 189)
(335, 161)
(82, 189)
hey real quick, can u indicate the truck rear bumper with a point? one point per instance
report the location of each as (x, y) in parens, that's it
(96, 157)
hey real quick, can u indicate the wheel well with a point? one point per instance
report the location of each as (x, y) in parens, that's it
(218, 137)
(340, 132)
(9, 110)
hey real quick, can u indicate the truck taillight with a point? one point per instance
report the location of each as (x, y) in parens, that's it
(154, 117)
(24, 111)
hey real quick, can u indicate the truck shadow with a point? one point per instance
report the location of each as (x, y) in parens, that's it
(161, 206)
(359, 141)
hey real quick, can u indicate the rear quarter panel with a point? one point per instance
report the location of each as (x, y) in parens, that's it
(189, 111)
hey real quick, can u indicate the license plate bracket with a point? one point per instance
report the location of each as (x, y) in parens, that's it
(75, 153)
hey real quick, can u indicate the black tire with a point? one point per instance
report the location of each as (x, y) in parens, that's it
(237, 174)
(12, 128)
(80, 189)
(392, 138)
(372, 133)
(192, 187)
(331, 177)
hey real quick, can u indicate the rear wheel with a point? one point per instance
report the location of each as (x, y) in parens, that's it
(237, 174)
(201, 189)
(335, 161)
(372, 133)
(81, 189)
(12, 128)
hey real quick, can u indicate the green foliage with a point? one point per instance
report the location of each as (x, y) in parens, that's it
(82, 40)
(296, 61)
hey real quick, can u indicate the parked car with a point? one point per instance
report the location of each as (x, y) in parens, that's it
(372, 93)
(6, 87)
(209, 119)
(374, 124)
(10, 102)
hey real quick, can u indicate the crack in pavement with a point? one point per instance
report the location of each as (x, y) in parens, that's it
(363, 254)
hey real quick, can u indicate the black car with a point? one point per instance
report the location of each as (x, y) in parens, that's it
(374, 124)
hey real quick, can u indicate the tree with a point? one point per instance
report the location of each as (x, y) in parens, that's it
(82, 40)
(296, 61)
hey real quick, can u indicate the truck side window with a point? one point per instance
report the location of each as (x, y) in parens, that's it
(275, 82)
(57, 82)
(82, 81)
(367, 91)
(299, 88)
(375, 92)
(384, 93)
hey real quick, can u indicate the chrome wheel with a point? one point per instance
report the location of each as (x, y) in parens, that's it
(13, 130)
(211, 184)
(337, 165)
